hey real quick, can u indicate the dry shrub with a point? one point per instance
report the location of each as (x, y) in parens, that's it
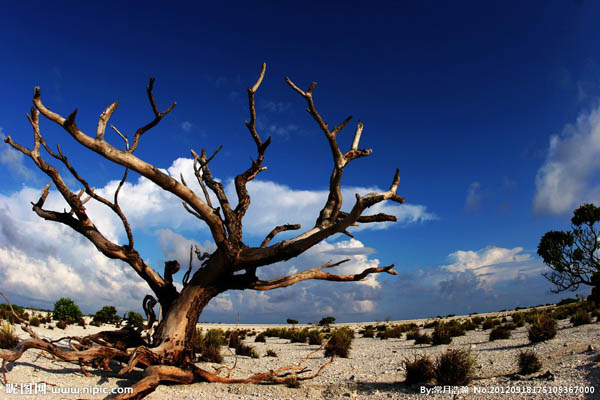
(499, 332)
(271, 353)
(418, 337)
(8, 339)
(34, 321)
(441, 335)
(542, 328)
(528, 362)
(246, 350)
(420, 370)
(209, 345)
(234, 339)
(581, 317)
(315, 337)
(340, 342)
(490, 323)
(292, 381)
(454, 367)
(261, 338)
(62, 324)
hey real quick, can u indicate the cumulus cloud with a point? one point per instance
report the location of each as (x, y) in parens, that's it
(35, 262)
(483, 280)
(492, 264)
(275, 204)
(566, 179)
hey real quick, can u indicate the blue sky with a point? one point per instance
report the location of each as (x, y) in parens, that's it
(489, 109)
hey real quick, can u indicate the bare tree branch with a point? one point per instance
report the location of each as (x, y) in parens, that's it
(157, 117)
(145, 169)
(278, 229)
(244, 281)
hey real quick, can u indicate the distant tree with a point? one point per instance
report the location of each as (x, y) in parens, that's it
(573, 255)
(135, 319)
(292, 321)
(326, 321)
(66, 310)
(106, 315)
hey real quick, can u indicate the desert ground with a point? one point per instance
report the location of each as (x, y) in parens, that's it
(373, 370)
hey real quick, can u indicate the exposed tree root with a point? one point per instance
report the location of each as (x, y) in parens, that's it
(154, 373)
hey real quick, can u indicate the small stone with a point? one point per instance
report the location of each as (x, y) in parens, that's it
(591, 348)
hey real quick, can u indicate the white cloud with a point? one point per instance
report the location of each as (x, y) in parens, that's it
(44, 261)
(275, 204)
(566, 179)
(492, 264)
(220, 303)
(33, 263)
(13, 159)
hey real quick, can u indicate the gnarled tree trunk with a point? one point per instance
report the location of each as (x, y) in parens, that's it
(168, 354)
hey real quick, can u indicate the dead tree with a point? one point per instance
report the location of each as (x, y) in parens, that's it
(168, 354)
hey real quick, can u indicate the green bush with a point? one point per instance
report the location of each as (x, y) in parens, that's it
(8, 338)
(542, 328)
(135, 319)
(106, 315)
(499, 332)
(528, 362)
(420, 370)
(292, 321)
(454, 367)
(581, 317)
(340, 342)
(66, 310)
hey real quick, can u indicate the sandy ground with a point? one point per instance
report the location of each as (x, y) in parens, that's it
(373, 370)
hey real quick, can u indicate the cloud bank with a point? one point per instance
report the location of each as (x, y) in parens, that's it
(41, 261)
(567, 178)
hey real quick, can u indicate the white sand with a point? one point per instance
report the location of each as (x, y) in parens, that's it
(373, 370)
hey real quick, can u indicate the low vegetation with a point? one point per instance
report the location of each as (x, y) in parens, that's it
(581, 317)
(340, 342)
(528, 362)
(542, 328)
(421, 370)
(454, 367)
(8, 338)
(500, 332)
